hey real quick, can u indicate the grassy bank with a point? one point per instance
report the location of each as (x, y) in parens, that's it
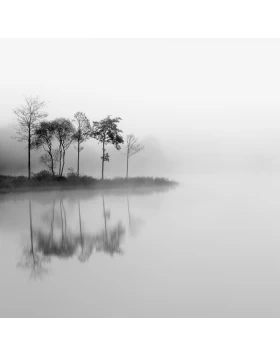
(43, 181)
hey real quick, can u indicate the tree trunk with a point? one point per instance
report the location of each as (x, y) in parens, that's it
(78, 165)
(127, 166)
(103, 161)
(52, 168)
(63, 163)
(59, 171)
(29, 149)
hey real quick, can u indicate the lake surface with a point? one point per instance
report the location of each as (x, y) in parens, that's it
(208, 248)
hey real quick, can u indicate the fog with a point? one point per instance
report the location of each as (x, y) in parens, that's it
(208, 247)
(13, 158)
(198, 106)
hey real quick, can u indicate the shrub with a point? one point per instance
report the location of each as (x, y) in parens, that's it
(60, 178)
(6, 183)
(43, 175)
(20, 181)
(72, 174)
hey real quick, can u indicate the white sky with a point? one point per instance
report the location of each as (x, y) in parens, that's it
(210, 103)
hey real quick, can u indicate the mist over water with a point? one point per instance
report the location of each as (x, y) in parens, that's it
(207, 113)
(208, 248)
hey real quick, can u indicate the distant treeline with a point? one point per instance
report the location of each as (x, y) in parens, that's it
(54, 137)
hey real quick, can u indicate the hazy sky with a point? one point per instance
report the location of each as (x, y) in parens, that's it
(198, 105)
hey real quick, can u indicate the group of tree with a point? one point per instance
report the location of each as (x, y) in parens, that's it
(56, 136)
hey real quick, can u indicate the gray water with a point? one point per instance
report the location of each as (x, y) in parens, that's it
(208, 248)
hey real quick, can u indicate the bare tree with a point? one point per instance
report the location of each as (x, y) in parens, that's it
(132, 147)
(63, 131)
(29, 115)
(82, 133)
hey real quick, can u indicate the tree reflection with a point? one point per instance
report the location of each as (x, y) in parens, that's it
(86, 242)
(65, 242)
(134, 223)
(109, 241)
(48, 246)
(30, 259)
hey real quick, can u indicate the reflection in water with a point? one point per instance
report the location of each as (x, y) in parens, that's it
(134, 223)
(85, 252)
(30, 259)
(65, 242)
(110, 240)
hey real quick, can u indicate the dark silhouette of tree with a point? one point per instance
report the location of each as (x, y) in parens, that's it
(82, 133)
(50, 161)
(63, 131)
(132, 147)
(44, 135)
(29, 115)
(106, 131)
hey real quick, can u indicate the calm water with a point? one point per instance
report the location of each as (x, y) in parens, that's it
(209, 248)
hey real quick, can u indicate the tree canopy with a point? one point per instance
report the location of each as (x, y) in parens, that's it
(106, 131)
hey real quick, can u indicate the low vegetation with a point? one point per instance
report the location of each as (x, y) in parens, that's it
(44, 180)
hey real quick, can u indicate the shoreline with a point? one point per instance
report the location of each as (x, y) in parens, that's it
(20, 184)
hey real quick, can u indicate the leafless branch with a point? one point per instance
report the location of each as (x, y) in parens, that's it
(132, 145)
